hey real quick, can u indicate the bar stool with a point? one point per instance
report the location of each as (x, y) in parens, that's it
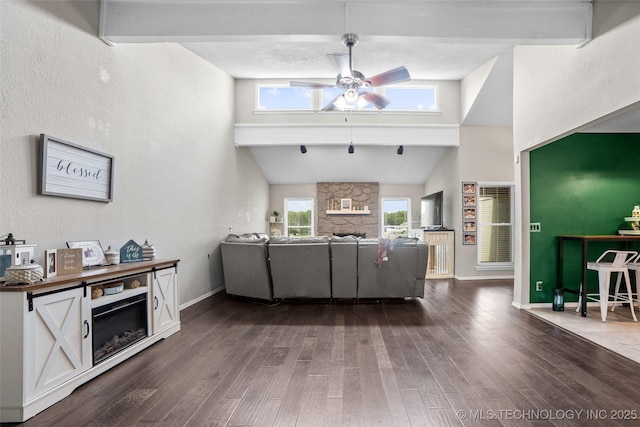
(632, 265)
(605, 267)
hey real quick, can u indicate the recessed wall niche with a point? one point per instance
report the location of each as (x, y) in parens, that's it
(361, 194)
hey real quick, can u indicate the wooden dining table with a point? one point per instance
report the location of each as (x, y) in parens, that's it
(585, 240)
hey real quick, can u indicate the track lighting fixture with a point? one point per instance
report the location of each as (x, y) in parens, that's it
(351, 148)
(400, 150)
(303, 149)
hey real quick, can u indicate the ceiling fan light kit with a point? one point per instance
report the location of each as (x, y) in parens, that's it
(355, 83)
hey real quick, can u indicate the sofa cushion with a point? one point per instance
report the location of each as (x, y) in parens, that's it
(298, 240)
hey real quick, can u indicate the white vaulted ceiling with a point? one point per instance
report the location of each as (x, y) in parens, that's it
(435, 40)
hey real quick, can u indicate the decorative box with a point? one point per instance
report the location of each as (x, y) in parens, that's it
(23, 274)
(113, 288)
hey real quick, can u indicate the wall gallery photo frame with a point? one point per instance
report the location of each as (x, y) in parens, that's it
(468, 188)
(345, 204)
(468, 226)
(469, 238)
(469, 213)
(468, 200)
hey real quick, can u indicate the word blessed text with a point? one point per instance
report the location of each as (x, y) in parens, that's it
(78, 171)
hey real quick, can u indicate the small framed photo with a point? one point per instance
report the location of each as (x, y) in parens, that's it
(469, 213)
(50, 263)
(345, 204)
(469, 238)
(92, 253)
(468, 188)
(468, 200)
(468, 226)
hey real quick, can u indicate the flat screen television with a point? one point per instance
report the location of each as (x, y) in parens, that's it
(431, 211)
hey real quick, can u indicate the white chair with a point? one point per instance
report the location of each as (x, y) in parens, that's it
(612, 261)
(632, 265)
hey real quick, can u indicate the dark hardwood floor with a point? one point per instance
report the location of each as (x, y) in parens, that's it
(461, 356)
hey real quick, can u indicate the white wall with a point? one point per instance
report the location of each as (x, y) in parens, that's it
(485, 154)
(159, 109)
(558, 90)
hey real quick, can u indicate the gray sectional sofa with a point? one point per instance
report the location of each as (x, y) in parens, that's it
(322, 267)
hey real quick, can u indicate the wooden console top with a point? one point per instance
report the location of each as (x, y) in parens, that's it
(92, 274)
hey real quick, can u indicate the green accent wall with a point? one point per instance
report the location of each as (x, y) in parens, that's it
(581, 184)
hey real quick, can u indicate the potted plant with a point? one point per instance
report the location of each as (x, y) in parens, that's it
(275, 216)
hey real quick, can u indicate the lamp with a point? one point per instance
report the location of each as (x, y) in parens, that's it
(352, 99)
(400, 150)
(351, 148)
(351, 95)
(303, 149)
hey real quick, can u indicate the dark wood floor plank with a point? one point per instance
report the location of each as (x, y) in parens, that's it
(291, 400)
(394, 398)
(251, 404)
(443, 360)
(352, 398)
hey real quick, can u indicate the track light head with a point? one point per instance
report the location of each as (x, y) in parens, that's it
(351, 148)
(303, 149)
(400, 150)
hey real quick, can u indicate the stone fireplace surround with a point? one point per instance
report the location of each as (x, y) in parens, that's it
(361, 194)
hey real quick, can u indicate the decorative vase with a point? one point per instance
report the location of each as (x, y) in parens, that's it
(635, 213)
(148, 251)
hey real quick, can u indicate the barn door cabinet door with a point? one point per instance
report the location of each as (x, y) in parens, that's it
(165, 299)
(58, 337)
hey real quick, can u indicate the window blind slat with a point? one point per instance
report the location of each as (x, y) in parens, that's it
(495, 227)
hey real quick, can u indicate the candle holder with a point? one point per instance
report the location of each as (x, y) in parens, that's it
(558, 299)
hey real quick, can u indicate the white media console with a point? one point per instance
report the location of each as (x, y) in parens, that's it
(47, 338)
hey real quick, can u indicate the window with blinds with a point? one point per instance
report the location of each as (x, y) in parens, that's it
(495, 240)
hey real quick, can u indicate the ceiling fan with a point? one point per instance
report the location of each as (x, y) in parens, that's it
(354, 82)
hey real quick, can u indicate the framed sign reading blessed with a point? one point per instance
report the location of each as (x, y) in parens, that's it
(69, 170)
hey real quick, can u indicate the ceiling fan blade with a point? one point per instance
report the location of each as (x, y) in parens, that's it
(309, 84)
(397, 75)
(342, 61)
(379, 101)
(331, 106)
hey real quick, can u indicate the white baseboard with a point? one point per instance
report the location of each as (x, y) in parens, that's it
(464, 278)
(534, 305)
(200, 298)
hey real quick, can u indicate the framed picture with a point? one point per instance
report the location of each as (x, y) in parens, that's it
(69, 170)
(468, 188)
(92, 253)
(345, 204)
(468, 200)
(469, 213)
(468, 226)
(50, 263)
(469, 238)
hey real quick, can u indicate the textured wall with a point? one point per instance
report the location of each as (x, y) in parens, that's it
(160, 110)
(361, 194)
